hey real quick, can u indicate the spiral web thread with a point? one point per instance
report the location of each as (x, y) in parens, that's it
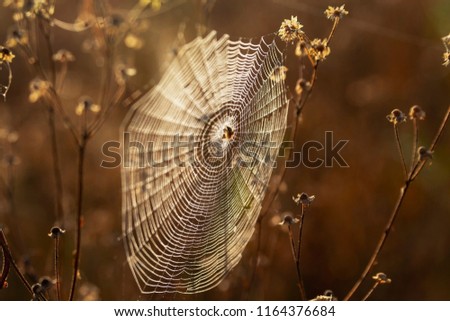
(187, 217)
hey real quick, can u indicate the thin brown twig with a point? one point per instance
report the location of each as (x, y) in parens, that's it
(8, 256)
(56, 168)
(57, 273)
(294, 256)
(403, 191)
(400, 150)
(415, 144)
(76, 260)
(297, 260)
(374, 286)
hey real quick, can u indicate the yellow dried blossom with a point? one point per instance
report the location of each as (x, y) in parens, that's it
(133, 41)
(38, 89)
(319, 49)
(122, 73)
(279, 74)
(86, 104)
(334, 13)
(446, 41)
(16, 37)
(15, 4)
(446, 57)
(290, 30)
(6, 55)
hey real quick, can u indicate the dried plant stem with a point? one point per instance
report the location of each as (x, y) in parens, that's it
(294, 256)
(370, 291)
(57, 273)
(56, 168)
(400, 150)
(297, 260)
(418, 168)
(413, 174)
(76, 259)
(415, 145)
(8, 258)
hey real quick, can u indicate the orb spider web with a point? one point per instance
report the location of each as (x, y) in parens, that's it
(202, 145)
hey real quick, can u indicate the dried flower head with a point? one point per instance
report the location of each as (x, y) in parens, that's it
(416, 112)
(302, 85)
(290, 30)
(56, 232)
(301, 49)
(289, 220)
(279, 73)
(336, 13)
(37, 288)
(14, 4)
(396, 117)
(446, 41)
(16, 36)
(63, 56)
(155, 4)
(46, 283)
(38, 89)
(6, 55)
(446, 57)
(43, 8)
(381, 278)
(328, 295)
(122, 73)
(133, 41)
(319, 49)
(424, 154)
(304, 199)
(85, 104)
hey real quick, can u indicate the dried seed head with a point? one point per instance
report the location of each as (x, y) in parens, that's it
(46, 283)
(302, 85)
(319, 49)
(336, 13)
(16, 37)
(63, 56)
(6, 55)
(416, 112)
(301, 48)
(56, 232)
(289, 220)
(37, 288)
(304, 199)
(123, 73)
(133, 41)
(396, 117)
(381, 278)
(326, 296)
(446, 41)
(290, 30)
(424, 154)
(85, 104)
(38, 89)
(446, 57)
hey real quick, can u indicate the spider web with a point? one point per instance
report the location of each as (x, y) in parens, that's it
(202, 144)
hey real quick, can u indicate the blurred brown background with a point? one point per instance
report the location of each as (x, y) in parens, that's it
(386, 54)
